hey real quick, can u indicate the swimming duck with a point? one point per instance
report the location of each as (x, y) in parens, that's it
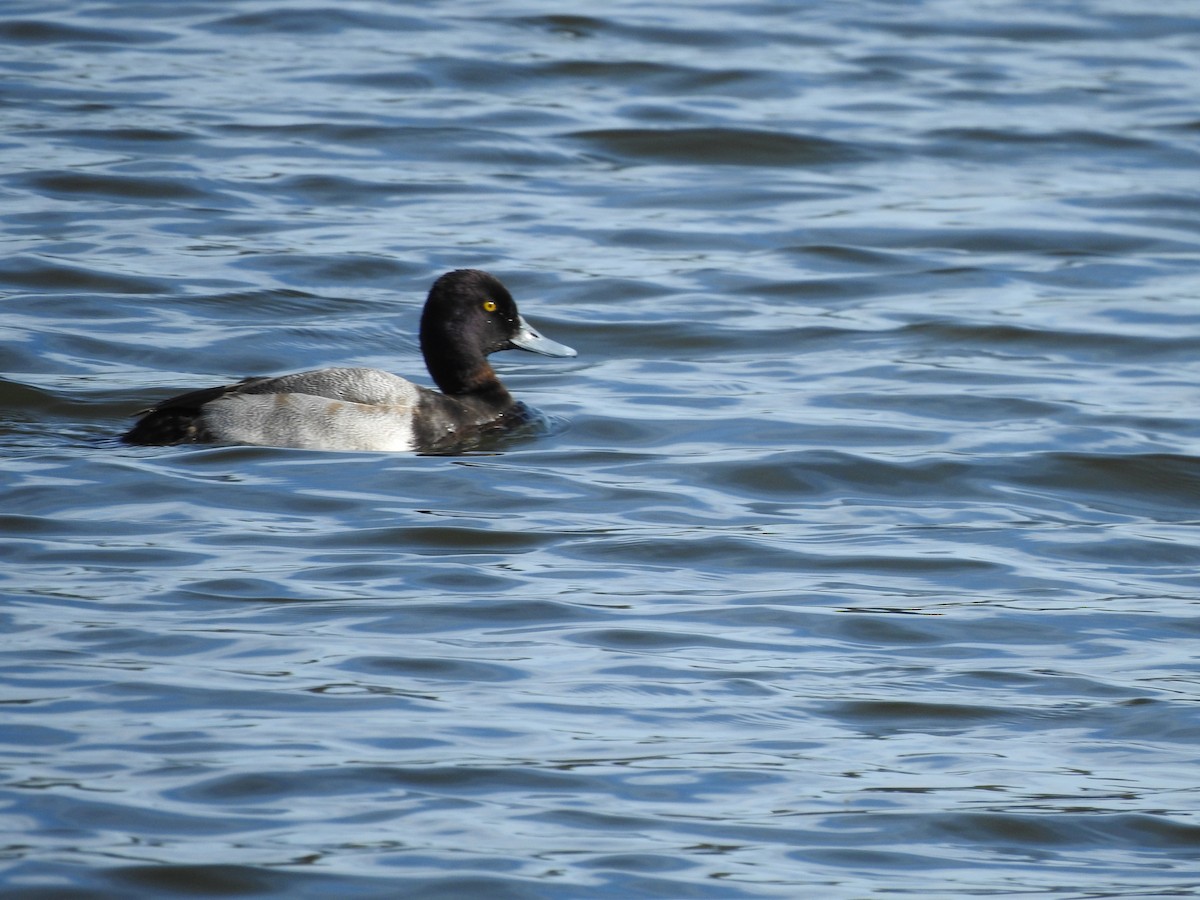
(467, 315)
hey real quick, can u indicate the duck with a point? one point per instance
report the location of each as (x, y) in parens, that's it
(468, 315)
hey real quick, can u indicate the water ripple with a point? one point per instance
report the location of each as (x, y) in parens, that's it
(854, 555)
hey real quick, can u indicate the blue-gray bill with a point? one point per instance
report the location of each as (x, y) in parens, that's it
(528, 338)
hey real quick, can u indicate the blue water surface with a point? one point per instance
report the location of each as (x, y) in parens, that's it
(856, 554)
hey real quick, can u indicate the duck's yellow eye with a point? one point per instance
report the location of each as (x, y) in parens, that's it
(489, 305)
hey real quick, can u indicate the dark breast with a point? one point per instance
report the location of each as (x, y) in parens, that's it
(446, 423)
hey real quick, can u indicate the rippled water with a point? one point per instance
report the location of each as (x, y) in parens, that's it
(860, 557)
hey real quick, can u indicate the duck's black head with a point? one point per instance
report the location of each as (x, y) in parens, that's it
(468, 315)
